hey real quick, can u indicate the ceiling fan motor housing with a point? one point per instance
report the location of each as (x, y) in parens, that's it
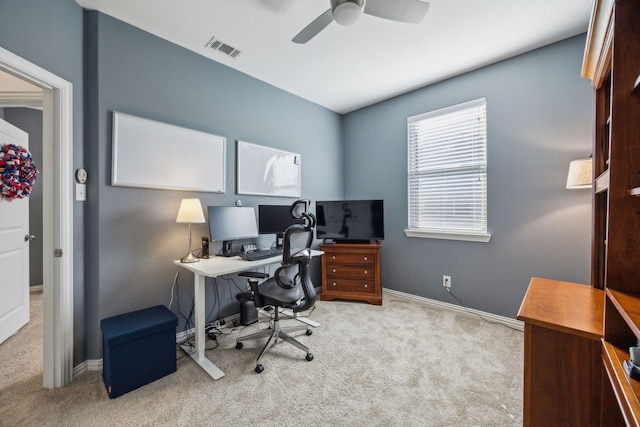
(346, 12)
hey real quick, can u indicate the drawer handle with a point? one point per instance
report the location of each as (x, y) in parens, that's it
(333, 284)
(334, 270)
(333, 257)
(366, 272)
(366, 258)
(366, 286)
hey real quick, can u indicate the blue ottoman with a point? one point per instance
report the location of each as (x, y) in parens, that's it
(138, 348)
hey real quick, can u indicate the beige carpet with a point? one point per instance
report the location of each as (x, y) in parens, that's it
(401, 364)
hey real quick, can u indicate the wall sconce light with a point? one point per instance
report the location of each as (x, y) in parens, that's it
(191, 213)
(580, 173)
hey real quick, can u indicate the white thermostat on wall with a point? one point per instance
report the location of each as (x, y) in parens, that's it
(81, 176)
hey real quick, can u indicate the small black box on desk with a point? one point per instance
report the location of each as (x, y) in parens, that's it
(138, 348)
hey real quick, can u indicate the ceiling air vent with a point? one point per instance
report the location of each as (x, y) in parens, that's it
(222, 47)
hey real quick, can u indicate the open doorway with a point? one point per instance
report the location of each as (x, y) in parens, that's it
(57, 239)
(21, 106)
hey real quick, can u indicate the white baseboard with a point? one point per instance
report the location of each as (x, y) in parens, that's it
(80, 369)
(506, 321)
(86, 366)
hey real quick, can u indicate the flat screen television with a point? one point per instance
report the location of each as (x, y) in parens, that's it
(350, 220)
(274, 219)
(229, 223)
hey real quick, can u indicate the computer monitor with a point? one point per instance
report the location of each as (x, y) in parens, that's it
(274, 219)
(229, 223)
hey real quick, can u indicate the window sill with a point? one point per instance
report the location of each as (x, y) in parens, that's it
(469, 237)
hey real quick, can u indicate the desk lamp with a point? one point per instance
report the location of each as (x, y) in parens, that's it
(190, 212)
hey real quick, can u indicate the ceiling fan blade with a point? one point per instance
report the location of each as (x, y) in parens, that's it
(311, 30)
(409, 11)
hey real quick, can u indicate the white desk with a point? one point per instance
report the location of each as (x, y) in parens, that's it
(214, 267)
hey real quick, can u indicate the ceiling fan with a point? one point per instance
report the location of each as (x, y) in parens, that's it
(347, 12)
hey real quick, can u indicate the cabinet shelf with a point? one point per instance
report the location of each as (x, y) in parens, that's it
(628, 306)
(602, 182)
(625, 389)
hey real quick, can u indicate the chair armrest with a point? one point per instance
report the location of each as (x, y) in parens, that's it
(253, 277)
(253, 274)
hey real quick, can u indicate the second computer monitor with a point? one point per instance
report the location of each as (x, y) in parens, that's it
(275, 219)
(229, 223)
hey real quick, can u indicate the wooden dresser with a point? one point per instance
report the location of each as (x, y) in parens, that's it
(562, 353)
(351, 271)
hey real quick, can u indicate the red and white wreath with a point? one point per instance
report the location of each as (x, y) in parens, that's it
(17, 172)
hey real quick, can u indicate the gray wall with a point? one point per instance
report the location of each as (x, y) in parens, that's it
(49, 34)
(30, 121)
(539, 114)
(132, 236)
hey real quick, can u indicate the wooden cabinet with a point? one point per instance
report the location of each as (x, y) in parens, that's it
(562, 362)
(351, 271)
(563, 358)
(612, 62)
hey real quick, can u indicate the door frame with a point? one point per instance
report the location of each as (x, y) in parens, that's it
(57, 239)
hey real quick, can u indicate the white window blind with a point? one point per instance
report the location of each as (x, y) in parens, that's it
(447, 180)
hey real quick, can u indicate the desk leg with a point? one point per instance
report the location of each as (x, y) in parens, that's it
(197, 353)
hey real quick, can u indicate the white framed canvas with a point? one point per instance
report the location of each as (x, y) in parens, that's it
(152, 154)
(267, 171)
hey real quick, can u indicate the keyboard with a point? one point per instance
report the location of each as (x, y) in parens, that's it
(261, 254)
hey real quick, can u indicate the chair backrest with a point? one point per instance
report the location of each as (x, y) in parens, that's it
(296, 256)
(298, 237)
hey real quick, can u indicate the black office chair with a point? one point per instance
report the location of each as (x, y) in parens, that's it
(290, 287)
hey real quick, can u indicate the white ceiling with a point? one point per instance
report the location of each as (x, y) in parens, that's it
(346, 68)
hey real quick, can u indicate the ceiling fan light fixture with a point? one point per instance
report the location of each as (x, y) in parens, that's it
(347, 12)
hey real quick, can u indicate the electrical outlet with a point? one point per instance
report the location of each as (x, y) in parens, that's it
(446, 282)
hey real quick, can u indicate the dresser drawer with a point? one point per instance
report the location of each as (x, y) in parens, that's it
(340, 284)
(351, 258)
(355, 271)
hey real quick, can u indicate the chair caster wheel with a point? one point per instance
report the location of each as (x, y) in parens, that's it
(309, 331)
(239, 345)
(259, 369)
(309, 357)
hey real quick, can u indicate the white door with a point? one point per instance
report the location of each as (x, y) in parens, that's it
(14, 250)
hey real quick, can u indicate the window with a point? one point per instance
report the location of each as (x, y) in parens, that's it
(448, 173)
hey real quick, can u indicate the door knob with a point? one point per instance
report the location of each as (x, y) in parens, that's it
(28, 237)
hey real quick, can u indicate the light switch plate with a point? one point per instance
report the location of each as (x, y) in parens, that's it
(81, 192)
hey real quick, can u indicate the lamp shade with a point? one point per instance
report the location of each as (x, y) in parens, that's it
(190, 211)
(580, 173)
